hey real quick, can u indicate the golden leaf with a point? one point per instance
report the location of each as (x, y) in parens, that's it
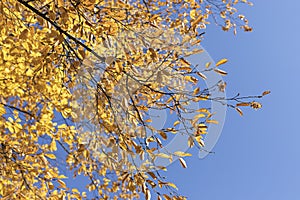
(182, 154)
(163, 155)
(51, 156)
(221, 62)
(53, 145)
(61, 183)
(200, 141)
(176, 123)
(212, 121)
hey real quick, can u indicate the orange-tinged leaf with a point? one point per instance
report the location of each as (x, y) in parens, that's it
(239, 111)
(152, 175)
(163, 135)
(243, 104)
(60, 3)
(196, 91)
(266, 92)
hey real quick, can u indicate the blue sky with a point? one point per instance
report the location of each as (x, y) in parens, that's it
(257, 155)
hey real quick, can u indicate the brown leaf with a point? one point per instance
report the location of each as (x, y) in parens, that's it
(266, 92)
(183, 163)
(239, 111)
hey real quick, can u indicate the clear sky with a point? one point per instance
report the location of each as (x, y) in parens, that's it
(258, 155)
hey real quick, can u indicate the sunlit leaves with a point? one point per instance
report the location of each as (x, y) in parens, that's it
(50, 81)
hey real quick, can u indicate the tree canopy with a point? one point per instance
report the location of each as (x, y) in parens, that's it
(77, 81)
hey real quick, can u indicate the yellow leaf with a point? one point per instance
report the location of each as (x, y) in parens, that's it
(193, 14)
(51, 156)
(62, 176)
(29, 72)
(196, 117)
(221, 62)
(2, 109)
(196, 91)
(75, 190)
(53, 145)
(196, 21)
(200, 141)
(176, 123)
(191, 142)
(163, 155)
(182, 154)
(184, 62)
(50, 185)
(61, 183)
(212, 121)
(172, 185)
(191, 79)
(60, 3)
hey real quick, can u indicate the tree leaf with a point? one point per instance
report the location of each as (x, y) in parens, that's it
(182, 162)
(221, 62)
